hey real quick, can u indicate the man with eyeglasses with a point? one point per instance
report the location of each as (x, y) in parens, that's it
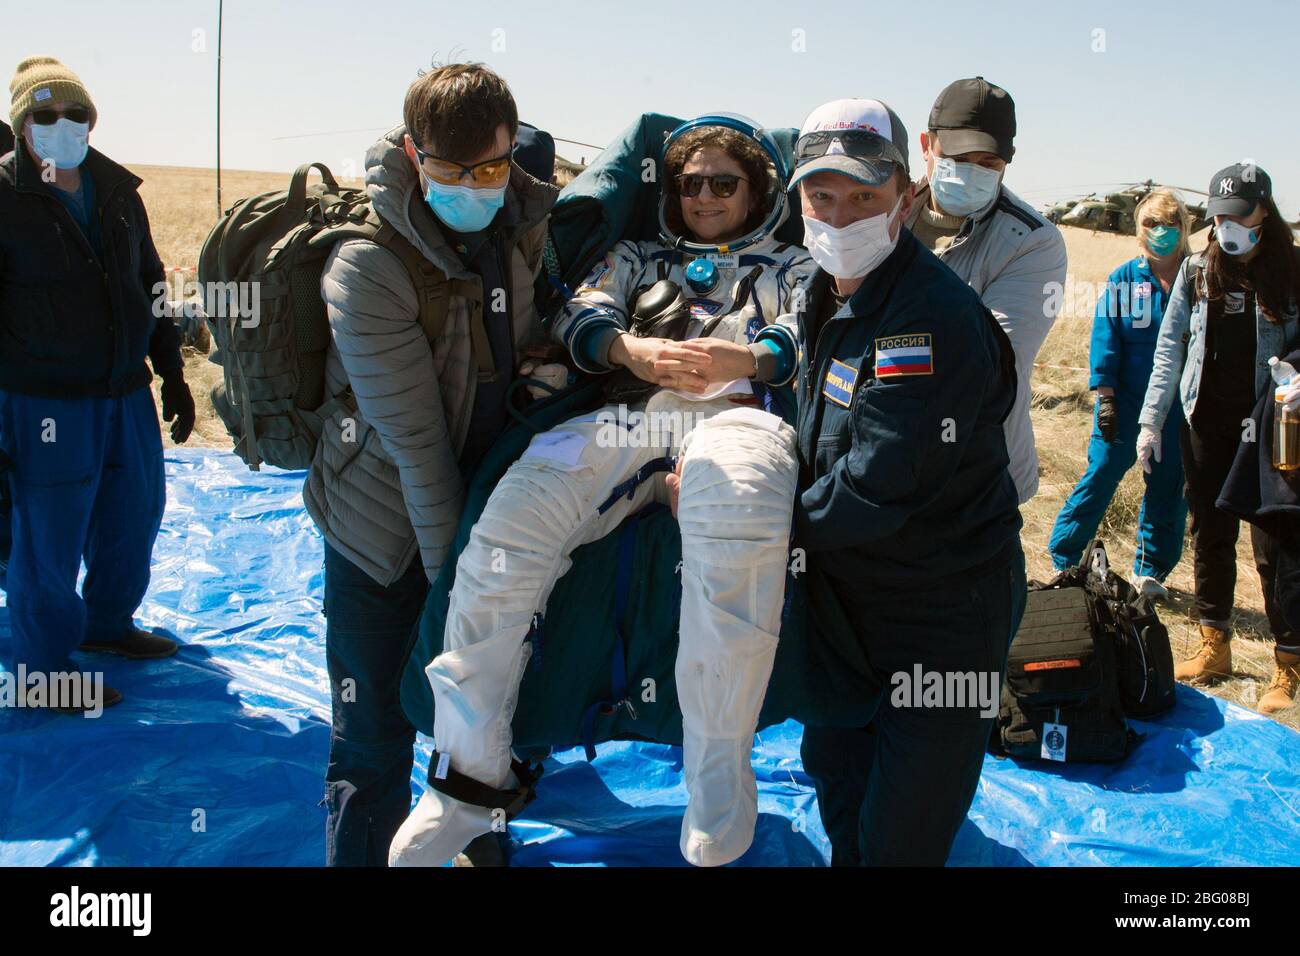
(905, 508)
(78, 423)
(421, 406)
(999, 246)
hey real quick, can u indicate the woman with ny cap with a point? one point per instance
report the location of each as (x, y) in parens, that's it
(1231, 309)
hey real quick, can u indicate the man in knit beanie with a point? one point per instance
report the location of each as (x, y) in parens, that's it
(80, 284)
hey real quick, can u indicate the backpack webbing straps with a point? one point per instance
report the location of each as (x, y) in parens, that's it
(433, 290)
(240, 383)
(432, 287)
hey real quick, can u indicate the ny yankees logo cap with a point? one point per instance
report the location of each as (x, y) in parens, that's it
(1235, 190)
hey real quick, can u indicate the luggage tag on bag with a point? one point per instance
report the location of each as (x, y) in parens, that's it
(1054, 739)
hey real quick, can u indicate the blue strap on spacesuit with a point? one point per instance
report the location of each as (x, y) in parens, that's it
(627, 488)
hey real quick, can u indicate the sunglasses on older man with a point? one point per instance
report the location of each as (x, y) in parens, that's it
(77, 114)
(722, 185)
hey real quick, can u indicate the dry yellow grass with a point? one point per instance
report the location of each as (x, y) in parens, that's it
(182, 208)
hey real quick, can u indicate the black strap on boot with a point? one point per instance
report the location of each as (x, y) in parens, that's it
(458, 786)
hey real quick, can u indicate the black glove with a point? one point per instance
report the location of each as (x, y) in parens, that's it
(177, 403)
(1107, 418)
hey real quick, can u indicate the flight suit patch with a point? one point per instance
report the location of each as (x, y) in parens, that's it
(704, 309)
(899, 355)
(839, 382)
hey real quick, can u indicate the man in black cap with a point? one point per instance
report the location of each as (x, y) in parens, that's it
(6, 138)
(1000, 246)
(906, 509)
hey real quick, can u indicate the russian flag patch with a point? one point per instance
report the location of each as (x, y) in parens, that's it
(904, 355)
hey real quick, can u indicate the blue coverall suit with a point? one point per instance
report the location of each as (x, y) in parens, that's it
(78, 280)
(907, 507)
(1124, 333)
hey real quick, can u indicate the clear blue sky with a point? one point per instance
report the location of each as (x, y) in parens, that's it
(1181, 88)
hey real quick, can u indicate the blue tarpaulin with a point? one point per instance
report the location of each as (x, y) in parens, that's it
(216, 757)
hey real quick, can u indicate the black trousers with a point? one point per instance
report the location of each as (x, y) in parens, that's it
(894, 793)
(1286, 591)
(1209, 445)
(368, 628)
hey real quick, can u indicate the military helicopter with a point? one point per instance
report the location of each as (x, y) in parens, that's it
(1114, 212)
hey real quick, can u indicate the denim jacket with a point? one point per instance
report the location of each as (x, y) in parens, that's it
(1180, 352)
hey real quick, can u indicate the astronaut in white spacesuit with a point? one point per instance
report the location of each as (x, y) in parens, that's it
(723, 196)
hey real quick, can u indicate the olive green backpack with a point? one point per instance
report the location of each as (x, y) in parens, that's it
(260, 267)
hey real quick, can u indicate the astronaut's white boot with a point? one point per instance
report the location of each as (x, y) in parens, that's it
(737, 494)
(722, 808)
(475, 692)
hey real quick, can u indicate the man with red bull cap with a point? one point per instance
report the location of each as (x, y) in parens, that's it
(905, 505)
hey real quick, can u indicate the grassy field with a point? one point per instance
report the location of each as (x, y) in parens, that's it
(182, 208)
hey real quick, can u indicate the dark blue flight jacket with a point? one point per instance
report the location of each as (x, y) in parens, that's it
(73, 323)
(902, 395)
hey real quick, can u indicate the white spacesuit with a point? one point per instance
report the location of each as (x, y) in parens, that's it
(739, 472)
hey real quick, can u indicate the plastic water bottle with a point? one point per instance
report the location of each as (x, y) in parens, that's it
(1286, 425)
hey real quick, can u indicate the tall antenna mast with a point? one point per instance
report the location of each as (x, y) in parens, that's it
(219, 12)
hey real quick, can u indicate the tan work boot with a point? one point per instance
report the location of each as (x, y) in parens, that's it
(1282, 688)
(1213, 662)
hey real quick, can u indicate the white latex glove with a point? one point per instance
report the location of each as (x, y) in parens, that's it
(1148, 446)
(553, 374)
(1291, 396)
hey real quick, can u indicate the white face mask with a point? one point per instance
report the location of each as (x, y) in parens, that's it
(851, 252)
(1236, 239)
(64, 144)
(963, 189)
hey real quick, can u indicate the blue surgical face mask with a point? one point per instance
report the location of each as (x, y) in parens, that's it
(1235, 239)
(962, 189)
(1162, 240)
(463, 208)
(64, 144)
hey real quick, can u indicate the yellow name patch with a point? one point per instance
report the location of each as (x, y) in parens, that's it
(839, 382)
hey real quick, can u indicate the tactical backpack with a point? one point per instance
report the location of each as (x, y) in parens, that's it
(272, 334)
(1090, 651)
